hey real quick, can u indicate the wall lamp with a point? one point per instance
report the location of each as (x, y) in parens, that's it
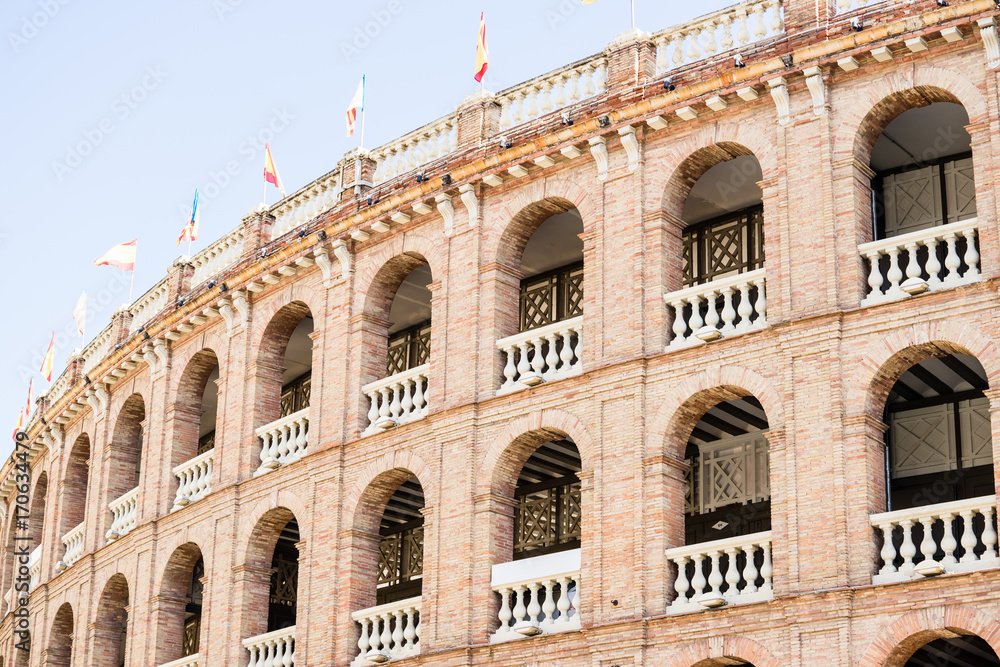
(504, 142)
(604, 121)
(668, 85)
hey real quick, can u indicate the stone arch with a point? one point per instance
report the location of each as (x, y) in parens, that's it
(188, 395)
(399, 250)
(395, 460)
(684, 405)
(59, 648)
(254, 527)
(907, 87)
(896, 642)
(110, 619)
(887, 359)
(720, 651)
(520, 437)
(264, 312)
(255, 553)
(271, 345)
(170, 604)
(39, 503)
(76, 483)
(126, 445)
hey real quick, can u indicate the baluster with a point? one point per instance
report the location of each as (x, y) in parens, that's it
(537, 360)
(760, 29)
(396, 408)
(283, 443)
(726, 22)
(397, 633)
(750, 569)
(711, 313)
(452, 136)
(383, 410)
(407, 404)
(933, 263)
(888, 552)
(416, 627)
(363, 644)
(969, 540)
(927, 544)
(265, 447)
(279, 653)
(578, 348)
(303, 440)
(951, 260)
(271, 650)
(680, 326)
(563, 604)
(505, 113)
(566, 353)
(875, 279)
(289, 658)
(545, 97)
(989, 536)
(843, 5)
(552, 358)
(254, 654)
(681, 583)
(663, 54)
(601, 77)
(409, 634)
(373, 412)
(531, 109)
(385, 639)
(412, 153)
(519, 608)
(678, 55)
(523, 367)
(505, 613)
(711, 48)
(948, 542)
(728, 312)
(434, 143)
(745, 308)
(696, 322)
(509, 369)
(534, 609)
(912, 266)
(971, 254)
(559, 98)
(908, 550)
(743, 34)
(766, 568)
(715, 576)
(517, 108)
(694, 47)
(420, 149)
(572, 86)
(587, 82)
(574, 601)
(419, 398)
(777, 25)
(732, 572)
(549, 606)
(894, 274)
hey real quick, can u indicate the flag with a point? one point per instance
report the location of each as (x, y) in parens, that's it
(482, 53)
(190, 232)
(122, 256)
(357, 104)
(20, 423)
(80, 313)
(46, 369)
(27, 409)
(270, 173)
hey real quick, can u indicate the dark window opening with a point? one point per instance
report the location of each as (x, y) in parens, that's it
(551, 297)
(401, 545)
(727, 245)
(283, 598)
(295, 394)
(192, 610)
(548, 515)
(409, 348)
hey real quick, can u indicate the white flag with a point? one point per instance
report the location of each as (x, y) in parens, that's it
(80, 313)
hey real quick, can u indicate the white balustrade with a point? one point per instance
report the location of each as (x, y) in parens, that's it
(8, 598)
(73, 541)
(306, 204)
(416, 149)
(697, 317)
(124, 512)
(552, 92)
(186, 661)
(283, 441)
(722, 572)
(719, 32)
(98, 348)
(35, 568)
(397, 399)
(272, 649)
(922, 273)
(958, 536)
(388, 632)
(540, 594)
(194, 479)
(848, 5)
(148, 305)
(218, 256)
(541, 355)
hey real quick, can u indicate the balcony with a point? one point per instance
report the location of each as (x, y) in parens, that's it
(187, 661)
(957, 536)
(545, 591)
(283, 441)
(697, 316)
(922, 261)
(272, 648)
(73, 541)
(738, 571)
(124, 512)
(397, 399)
(541, 355)
(194, 479)
(35, 568)
(388, 632)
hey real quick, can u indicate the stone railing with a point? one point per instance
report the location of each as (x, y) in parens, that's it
(540, 594)
(305, 204)
(388, 632)
(216, 257)
(735, 570)
(957, 536)
(124, 512)
(923, 267)
(95, 352)
(188, 661)
(35, 568)
(73, 541)
(718, 32)
(541, 355)
(149, 304)
(194, 479)
(272, 648)
(848, 5)
(553, 91)
(416, 148)
(397, 399)
(283, 441)
(8, 599)
(697, 317)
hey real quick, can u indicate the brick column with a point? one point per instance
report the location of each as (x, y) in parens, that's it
(805, 15)
(478, 119)
(631, 61)
(357, 171)
(257, 227)
(864, 448)
(664, 525)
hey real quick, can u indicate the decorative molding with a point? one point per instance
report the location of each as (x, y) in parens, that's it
(988, 29)
(748, 94)
(324, 264)
(447, 212)
(226, 310)
(341, 252)
(599, 149)
(779, 93)
(102, 397)
(848, 64)
(814, 82)
(150, 358)
(631, 144)
(657, 122)
(241, 305)
(160, 349)
(468, 194)
(716, 103)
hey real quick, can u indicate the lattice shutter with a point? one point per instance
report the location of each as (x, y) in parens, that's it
(401, 557)
(548, 518)
(284, 582)
(192, 635)
(977, 442)
(960, 189)
(733, 470)
(912, 201)
(922, 440)
(295, 395)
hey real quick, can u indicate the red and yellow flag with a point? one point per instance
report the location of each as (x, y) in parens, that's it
(121, 256)
(270, 173)
(482, 53)
(20, 423)
(27, 409)
(46, 369)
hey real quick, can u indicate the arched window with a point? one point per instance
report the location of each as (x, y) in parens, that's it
(283, 595)
(36, 529)
(111, 624)
(552, 272)
(401, 545)
(126, 466)
(271, 584)
(179, 605)
(955, 652)
(193, 424)
(60, 649)
(548, 513)
(74, 501)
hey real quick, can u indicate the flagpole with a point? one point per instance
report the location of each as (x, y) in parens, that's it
(361, 143)
(132, 278)
(632, 3)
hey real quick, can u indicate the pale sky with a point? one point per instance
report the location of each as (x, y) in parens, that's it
(116, 111)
